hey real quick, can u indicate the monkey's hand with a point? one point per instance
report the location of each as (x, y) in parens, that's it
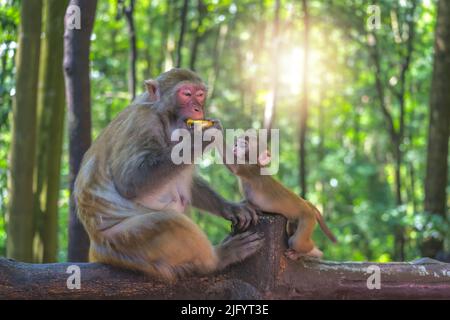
(238, 247)
(241, 214)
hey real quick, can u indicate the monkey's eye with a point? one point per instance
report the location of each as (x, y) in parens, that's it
(187, 93)
(200, 94)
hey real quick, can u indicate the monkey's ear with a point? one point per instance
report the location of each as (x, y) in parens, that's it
(264, 158)
(152, 89)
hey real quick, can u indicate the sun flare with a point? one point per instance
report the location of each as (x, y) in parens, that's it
(291, 68)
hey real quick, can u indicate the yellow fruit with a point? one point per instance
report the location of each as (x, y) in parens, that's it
(203, 123)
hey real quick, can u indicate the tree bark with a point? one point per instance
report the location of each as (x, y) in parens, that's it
(266, 275)
(396, 135)
(400, 237)
(76, 68)
(201, 11)
(304, 104)
(439, 128)
(166, 34)
(182, 33)
(221, 42)
(270, 108)
(20, 225)
(149, 51)
(51, 114)
(128, 11)
(3, 69)
(395, 147)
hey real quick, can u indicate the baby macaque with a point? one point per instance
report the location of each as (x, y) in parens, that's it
(267, 194)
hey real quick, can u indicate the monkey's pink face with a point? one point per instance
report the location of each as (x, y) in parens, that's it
(191, 99)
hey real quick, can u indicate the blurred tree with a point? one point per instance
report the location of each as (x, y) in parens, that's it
(438, 130)
(166, 46)
(354, 167)
(183, 18)
(220, 40)
(20, 222)
(9, 20)
(272, 98)
(149, 50)
(198, 33)
(51, 113)
(304, 103)
(78, 93)
(396, 131)
(128, 11)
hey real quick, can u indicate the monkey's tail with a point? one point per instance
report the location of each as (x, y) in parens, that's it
(322, 223)
(325, 228)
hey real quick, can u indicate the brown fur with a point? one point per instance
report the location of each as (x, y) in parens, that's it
(132, 199)
(269, 195)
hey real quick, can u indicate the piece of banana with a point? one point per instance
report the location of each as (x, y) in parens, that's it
(203, 123)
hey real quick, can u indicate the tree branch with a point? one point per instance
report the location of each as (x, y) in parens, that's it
(267, 275)
(374, 54)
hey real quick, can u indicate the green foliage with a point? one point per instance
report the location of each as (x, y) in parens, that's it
(9, 20)
(349, 155)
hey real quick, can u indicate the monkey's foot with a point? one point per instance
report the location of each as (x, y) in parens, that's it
(315, 252)
(294, 255)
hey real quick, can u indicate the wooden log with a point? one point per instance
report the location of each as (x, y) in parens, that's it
(267, 275)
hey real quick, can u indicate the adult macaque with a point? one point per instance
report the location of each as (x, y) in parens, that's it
(132, 198)
(267, 194)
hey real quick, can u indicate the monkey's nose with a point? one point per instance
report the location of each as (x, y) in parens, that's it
(197, 112)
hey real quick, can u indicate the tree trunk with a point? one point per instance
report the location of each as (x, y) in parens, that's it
(149, 51)
(201, 11)
(220, 43)
(182, 32)
(168, 45)
(399, 230)
(3, 71)
(128, 11)
(395, 147)
(76, 68)
(51, 114)
(400, 237)
(411, 171)
(438, 130)
(304, 105)
(166, 36)
(6, 72)
(270, 108)
(20, 225)
(396, 135)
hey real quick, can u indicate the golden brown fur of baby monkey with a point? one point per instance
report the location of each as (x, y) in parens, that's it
(132, 198)
(267, 194)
